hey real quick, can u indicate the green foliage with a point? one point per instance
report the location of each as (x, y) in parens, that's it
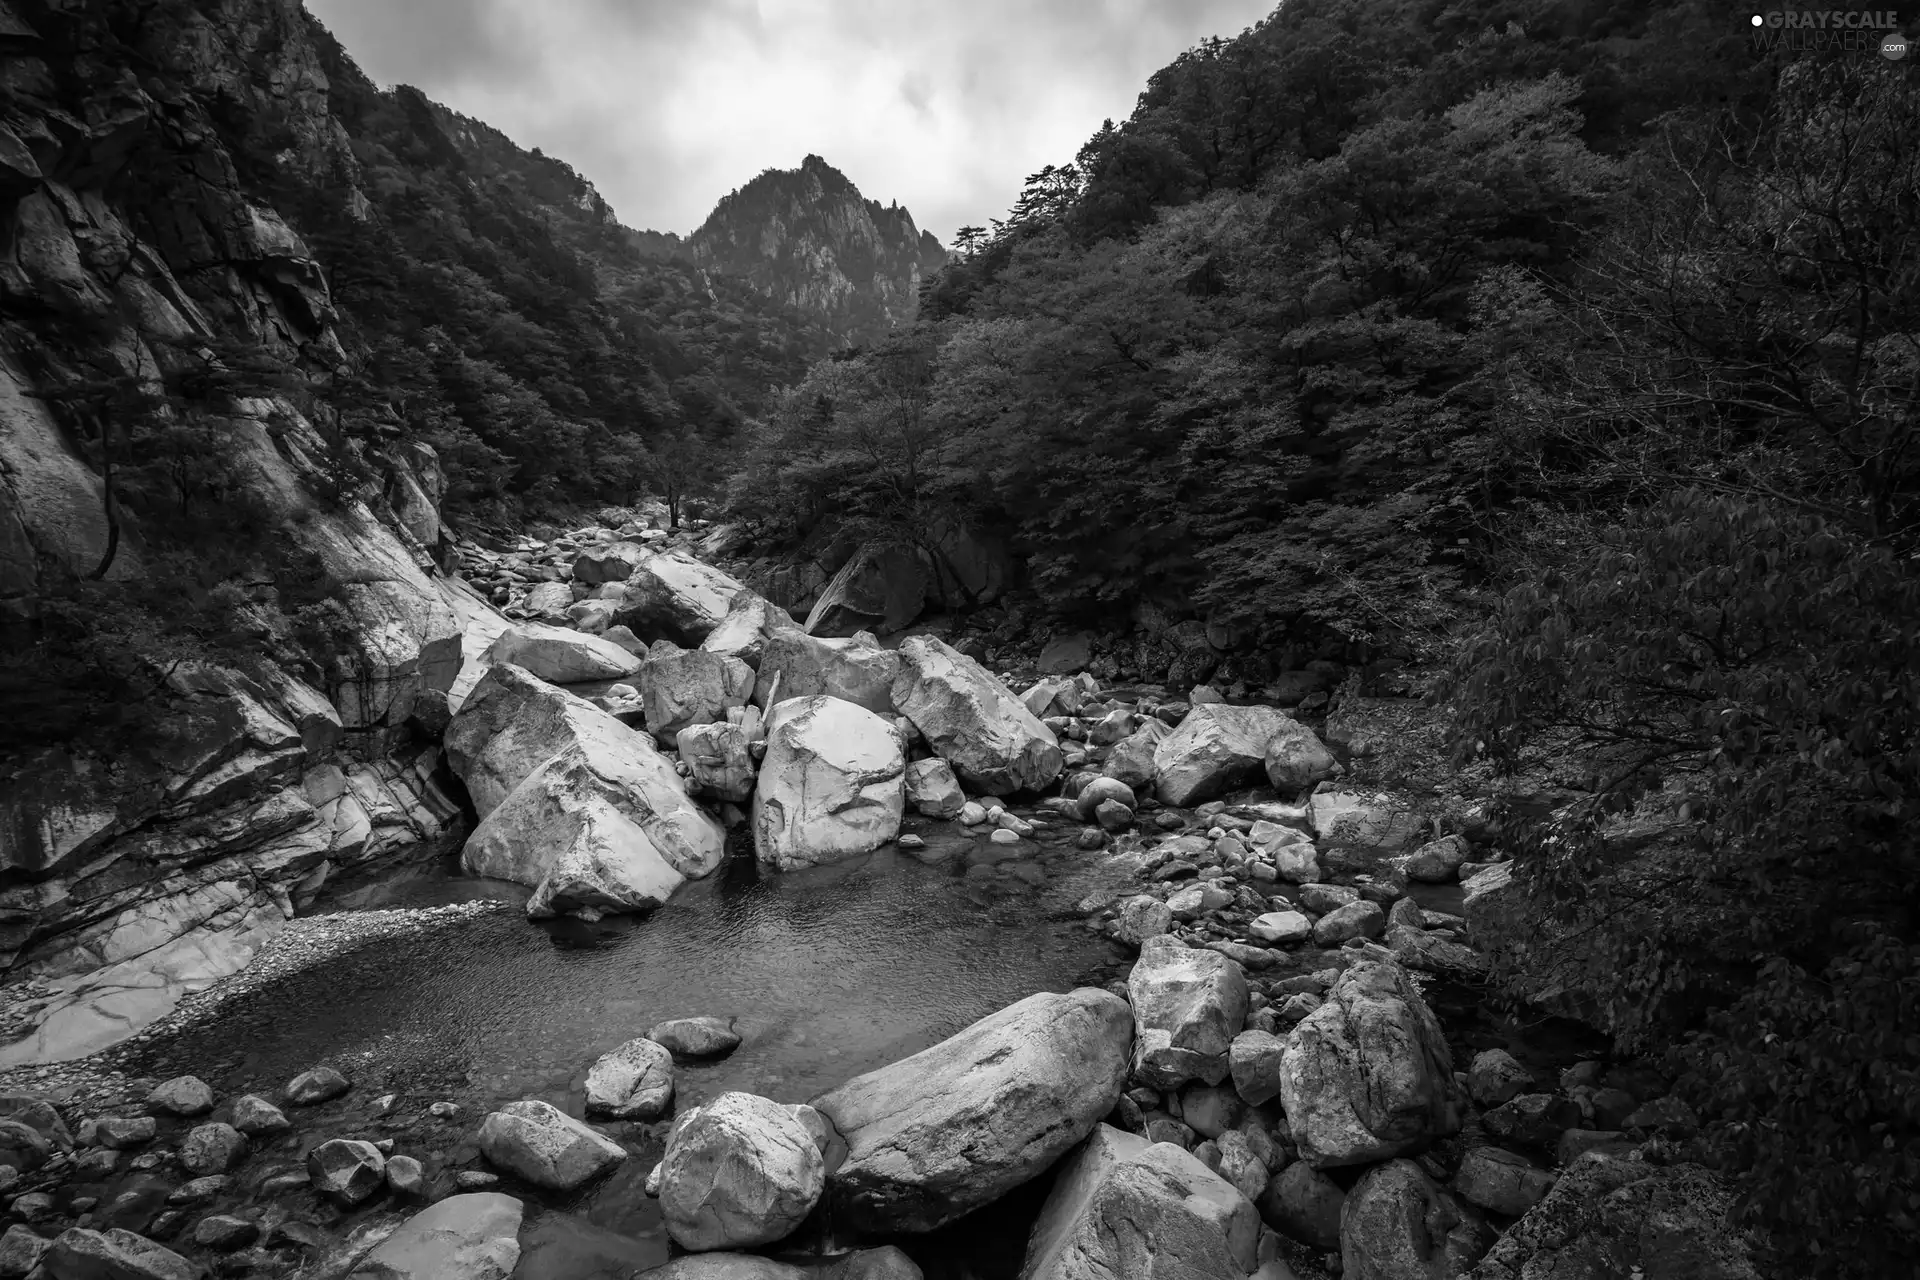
(1762, 666)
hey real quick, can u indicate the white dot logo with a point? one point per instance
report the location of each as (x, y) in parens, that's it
(1894, 47)
(1759, 21)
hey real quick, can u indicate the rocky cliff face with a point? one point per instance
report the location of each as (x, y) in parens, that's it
(140, 256)
(808, 238)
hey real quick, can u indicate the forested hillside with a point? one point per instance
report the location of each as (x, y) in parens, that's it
(1574, 348)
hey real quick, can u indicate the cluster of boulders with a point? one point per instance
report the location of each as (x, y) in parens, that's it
(177, 1167)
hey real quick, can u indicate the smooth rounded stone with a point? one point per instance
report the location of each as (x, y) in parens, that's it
(346, 1171)
(1210, 1109)
(932, 789)
(738, 1171)
(1304, 1204)
(1254, 1060)
(888, 1262)
(122, 1133)
(632, 1082)
(316, 1085)
(406, 1177)
(1188, 1005)
(1113, 727)
(1090, 838)
(1122, 1206)
(474, 1236)
(1003, 836)
(954, 1127)
(20, 1251)
(199, 1190)
(96, 1164)
(23, 1147)
(224, 1233)
(1213, 750)
(1438, 861)
(1325, 899)
(1355, 920)
(475, 1180)
(719, 760)
(972, 721)
(257, 1118)
(1501, 1180)
(1141, 917)
(972, 813)
(1368, 1076)
(212, 1148)
(181, 1096)
(1395, 1226)
(115, 1254)
(1533, 1120)
(672, 594)
(546, 1146)
(1496, 1076)
(1281, 928)
(1131, 759)
(1240, 1166)
(1167, 1129)
(1296, 760)
(561, 655)
(702, 1037)
(1100, 790)
(1113, 816)
(831, 784)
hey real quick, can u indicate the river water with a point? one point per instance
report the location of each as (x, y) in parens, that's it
(829, 972)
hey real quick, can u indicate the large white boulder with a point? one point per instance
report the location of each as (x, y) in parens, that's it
(831, 784)
(738, 1171)
(1296, 760)
(1216, 748)
(1189, 1004)
(935, 1136)
(562, 655)
(1122, 1206)
(546, 1146)
(673, 596)
(609, 562)
(794, 664)
(475, 1236)
(1367, 1076)
(972, 721)
(569, 794)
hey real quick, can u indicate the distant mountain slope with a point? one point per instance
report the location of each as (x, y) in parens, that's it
(807, 238)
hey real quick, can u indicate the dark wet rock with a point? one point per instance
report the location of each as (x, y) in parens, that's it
(224, 1233)
(406, 1177)
(36, 1113)
(1575, 1143)
(346, 1171)
(1501, 1180)
(199, 1190)
(1496, 1077)
(1533, 1120)
(1396, 1225)
(23, 1147)
(1304, 1204)
(20, 1252)
(1615, 1216)
(312, 1087)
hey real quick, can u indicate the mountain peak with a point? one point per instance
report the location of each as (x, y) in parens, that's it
(807, 237)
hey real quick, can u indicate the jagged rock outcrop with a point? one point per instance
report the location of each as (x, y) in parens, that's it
(808, 238)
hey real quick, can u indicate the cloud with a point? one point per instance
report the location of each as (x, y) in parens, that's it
(666, 105)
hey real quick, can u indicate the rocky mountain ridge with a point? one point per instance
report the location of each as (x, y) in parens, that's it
(806, 237)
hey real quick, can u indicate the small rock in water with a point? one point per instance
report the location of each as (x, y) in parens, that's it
(972, 814)
(475, 1180)
(321, 1084)
(119, 1132)
(445, 1111)
(910, 841)
(703, 1037)
(181, 1096)
(346, 1171)
(1003, 836)
(200, 1190)
(632, 1082)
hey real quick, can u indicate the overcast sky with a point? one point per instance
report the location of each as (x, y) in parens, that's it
(667, 105)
